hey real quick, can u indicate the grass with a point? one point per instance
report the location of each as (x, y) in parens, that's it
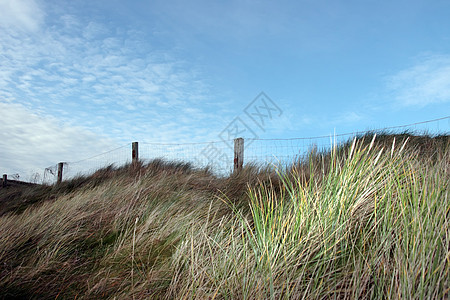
(369, 220)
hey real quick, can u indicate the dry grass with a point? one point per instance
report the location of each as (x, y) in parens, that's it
(368, 220)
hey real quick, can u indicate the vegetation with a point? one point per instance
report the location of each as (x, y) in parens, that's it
(370, 219)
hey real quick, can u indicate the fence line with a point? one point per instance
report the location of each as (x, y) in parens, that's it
(360, 132)
(221, 156)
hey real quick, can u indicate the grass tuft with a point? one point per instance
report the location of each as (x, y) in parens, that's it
(368, 219)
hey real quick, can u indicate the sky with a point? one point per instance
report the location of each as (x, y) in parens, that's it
(80, 78)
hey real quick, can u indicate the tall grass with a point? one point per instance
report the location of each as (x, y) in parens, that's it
(376, 225)
(369, 220)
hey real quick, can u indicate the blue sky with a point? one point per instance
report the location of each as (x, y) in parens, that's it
(82, 77)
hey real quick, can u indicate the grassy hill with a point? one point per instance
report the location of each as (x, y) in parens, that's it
(370, 219)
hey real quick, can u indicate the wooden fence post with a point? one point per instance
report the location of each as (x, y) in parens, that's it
(5, 180)
(238, 154)
(135, 152)
(60, 172)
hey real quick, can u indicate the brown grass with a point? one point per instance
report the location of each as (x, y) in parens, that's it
(168, 230)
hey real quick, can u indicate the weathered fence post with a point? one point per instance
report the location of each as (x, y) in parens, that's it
(5, 180)
(238, 154)
(135, 152)
(60, 172)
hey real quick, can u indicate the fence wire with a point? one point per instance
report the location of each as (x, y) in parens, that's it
(276, 152)
(116, 157)
(219, 155)
(216, 155)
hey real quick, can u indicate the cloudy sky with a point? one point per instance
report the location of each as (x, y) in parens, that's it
(78, 78)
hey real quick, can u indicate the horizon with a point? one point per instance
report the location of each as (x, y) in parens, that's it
(80, 79)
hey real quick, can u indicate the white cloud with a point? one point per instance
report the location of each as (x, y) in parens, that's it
(94, 31)
(20, 14)
(31, 142)
(65, 87)
(427, 82)
(81, 71)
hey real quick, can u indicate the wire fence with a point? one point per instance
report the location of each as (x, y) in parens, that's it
(118, 156)
(215, 154)
(219, 155)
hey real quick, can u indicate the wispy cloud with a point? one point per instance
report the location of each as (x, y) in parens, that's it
(23, 15)
(427, 82)
(71, 88)
(30, 142)
(100, 77)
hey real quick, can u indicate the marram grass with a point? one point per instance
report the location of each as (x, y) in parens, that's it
(375, 226)
(368, 221)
